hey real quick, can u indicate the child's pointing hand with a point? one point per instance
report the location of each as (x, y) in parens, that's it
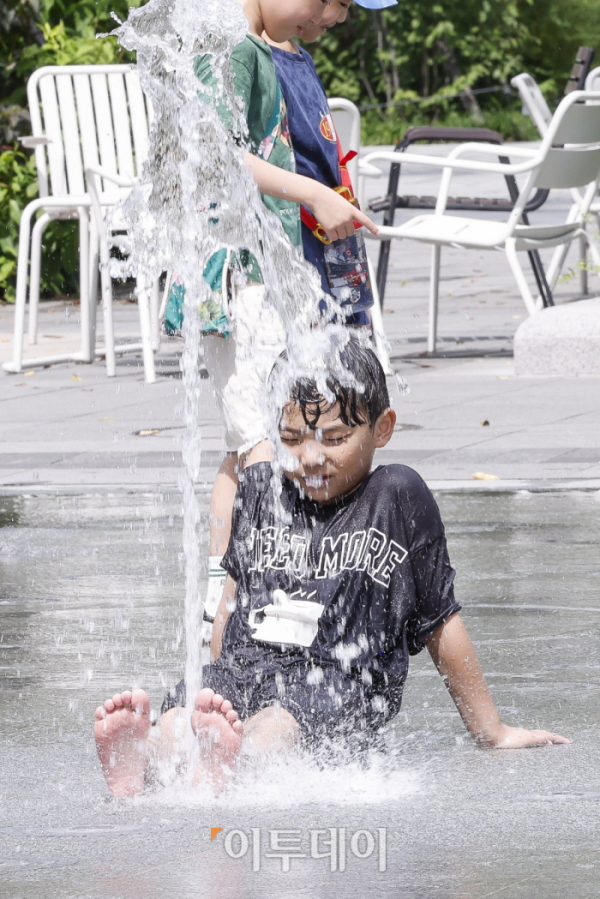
(336, 215)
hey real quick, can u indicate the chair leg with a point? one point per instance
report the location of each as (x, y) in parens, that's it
(35, 274)
(107, 306)
(594, 249)
(21, 298)
(560, 252)
(511, 255)
(583, 273)
(87, 353)
(146, 328)
(556, 264)
(377, 325)
(154, 315)
(94, 271)
(434, 291)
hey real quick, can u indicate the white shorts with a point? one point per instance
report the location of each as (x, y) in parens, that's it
(239, 366)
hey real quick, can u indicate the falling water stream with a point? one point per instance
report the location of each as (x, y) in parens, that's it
(194, 197)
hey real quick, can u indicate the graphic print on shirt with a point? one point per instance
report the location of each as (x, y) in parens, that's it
(327, 127)
(291, 620)
(369, 550)
(277, 130)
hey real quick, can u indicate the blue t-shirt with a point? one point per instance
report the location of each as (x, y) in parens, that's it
(314, 140)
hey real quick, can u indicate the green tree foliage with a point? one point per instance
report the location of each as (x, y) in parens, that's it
(18, 185)
(419, 54)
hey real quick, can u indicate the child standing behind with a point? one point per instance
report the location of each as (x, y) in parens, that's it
(317, 157)
(239, 363)
(315, 142)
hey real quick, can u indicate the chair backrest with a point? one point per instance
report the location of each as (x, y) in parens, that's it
(533, 101)
(346, 118)
(90, 115)
(581, 67)
(571, 146)
(592, 82)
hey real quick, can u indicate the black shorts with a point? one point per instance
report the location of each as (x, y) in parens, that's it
(325, 701)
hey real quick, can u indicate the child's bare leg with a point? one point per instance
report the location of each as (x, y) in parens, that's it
(219, 733)
(221, 505)
(223, 494)
(121, 731)
(271, 730)
(220, 522)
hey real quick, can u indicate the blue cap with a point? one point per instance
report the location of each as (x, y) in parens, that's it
(376, 4)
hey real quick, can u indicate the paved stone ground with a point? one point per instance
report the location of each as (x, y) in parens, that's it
(70, 429)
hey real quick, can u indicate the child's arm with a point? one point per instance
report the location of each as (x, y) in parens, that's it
(221, 618)
(334, 213)
(455, 658)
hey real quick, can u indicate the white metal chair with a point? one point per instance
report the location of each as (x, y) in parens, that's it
(539, 112)
(569, 157)
(147, 294)
(592, 82)
(82, 117)
(533, 101)
(346, 118)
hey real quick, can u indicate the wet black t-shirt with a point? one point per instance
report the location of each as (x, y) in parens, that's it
(367, 579)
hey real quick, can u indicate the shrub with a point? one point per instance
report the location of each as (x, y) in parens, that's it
(18, 185)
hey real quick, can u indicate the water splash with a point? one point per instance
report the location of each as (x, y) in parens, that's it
(194, 197)
(300, 779)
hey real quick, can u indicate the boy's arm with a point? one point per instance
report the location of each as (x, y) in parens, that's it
(334, 213)
(221, 617)
(455, 658)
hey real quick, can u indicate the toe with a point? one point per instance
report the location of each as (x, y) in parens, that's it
(140, 702)
(109, 705)
(117, 701)
(126, 697)
(226, 707)
(232, 716)
(204, 700)
(217, 702)
(100, 713)
(238, 727)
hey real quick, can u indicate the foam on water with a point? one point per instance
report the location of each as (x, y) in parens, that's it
(302, 780)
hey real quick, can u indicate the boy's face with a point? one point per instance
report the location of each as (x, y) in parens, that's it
(286, 19)
(335, 13)
(335, 458)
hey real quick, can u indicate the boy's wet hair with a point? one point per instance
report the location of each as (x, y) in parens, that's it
(359, 403)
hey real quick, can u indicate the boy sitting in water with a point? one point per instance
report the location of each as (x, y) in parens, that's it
(336, 575)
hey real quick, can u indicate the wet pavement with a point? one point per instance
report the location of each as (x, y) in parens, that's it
(69, 428)
(91, 601)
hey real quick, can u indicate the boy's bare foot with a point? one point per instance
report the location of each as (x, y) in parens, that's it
(219, 733)
(121, 730)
